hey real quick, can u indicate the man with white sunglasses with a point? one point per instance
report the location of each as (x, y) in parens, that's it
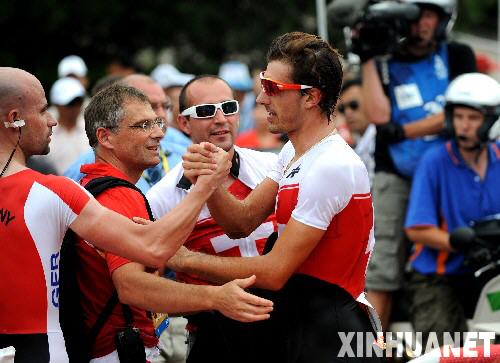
(209, 112)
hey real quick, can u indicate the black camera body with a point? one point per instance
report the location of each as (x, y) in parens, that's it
(376, 29)
(130, 346)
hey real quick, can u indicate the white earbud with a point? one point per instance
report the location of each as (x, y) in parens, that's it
(16, 124)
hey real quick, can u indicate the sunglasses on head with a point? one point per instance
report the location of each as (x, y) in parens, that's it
(272, 87)
(208, 110)
(353, 105)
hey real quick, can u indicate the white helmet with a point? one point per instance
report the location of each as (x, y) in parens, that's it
(448, 9)
(478, 91)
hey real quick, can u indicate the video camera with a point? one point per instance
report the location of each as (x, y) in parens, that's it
(373, 28)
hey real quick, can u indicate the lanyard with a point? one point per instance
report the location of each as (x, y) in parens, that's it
(164, 161)
(164, 165)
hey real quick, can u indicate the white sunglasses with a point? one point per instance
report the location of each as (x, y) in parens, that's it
(208, 110)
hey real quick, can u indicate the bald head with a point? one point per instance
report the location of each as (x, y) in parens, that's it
(185, 97)
(137, 79)
(14, 87)
(22, 98)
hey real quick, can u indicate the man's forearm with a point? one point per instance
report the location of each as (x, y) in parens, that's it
(222, 269)
(430, 237)
(428, 126)
(239, 218)
(376, 104)
(146, 291)
(153, 293)
(176, 226)
(230, 213)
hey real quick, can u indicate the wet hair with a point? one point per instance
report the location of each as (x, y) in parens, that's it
(106, 108)
(314, 62)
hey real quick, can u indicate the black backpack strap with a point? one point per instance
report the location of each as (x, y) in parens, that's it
(98, 185)
(95, 187)
(71, 315)
(102, 318)
(127, 313)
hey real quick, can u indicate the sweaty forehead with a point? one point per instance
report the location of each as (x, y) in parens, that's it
(208, 90)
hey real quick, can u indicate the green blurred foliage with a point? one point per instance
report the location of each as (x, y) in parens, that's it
(478, 17)
(36, 35)
(203, 33)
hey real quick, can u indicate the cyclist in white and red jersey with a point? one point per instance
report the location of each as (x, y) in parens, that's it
(35, 213)
(320, 191)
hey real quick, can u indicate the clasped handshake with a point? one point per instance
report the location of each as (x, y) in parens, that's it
(206, 163)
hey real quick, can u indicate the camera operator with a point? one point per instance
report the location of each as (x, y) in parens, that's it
(454, 185)
(404, 95)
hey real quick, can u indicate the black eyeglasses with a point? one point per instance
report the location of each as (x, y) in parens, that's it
(148, 125)
(353, 105)
(208, 110)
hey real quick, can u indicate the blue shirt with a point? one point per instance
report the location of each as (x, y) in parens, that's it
(175, 139)
(447, 194)
(416, 91)
(171, 157)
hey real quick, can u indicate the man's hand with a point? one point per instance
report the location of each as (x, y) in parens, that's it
(199, 160)
(234, 302)
(206, 164)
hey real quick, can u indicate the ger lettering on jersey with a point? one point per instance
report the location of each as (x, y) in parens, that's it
(35, 214)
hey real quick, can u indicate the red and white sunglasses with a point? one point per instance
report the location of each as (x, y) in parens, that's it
(272, 87)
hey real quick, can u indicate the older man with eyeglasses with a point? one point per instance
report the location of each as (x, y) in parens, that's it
(125, 133)
(170, 154)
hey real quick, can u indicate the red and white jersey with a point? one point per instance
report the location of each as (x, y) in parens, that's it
(328, 188)
(35, 212)
(249, 168)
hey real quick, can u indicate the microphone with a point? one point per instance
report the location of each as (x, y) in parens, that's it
(16, 124)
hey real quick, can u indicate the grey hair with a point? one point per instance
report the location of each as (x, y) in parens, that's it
(106, 109)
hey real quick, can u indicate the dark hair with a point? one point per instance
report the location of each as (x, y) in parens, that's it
(183, 98)
(314, 62)
(105, 109)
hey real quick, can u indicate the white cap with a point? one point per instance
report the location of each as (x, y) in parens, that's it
(237, 75)
(65, 90)
(169, 76)
(72, 64)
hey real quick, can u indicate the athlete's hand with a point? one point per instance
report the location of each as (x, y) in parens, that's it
(234, 302)
(223, 163)
(199, 160)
